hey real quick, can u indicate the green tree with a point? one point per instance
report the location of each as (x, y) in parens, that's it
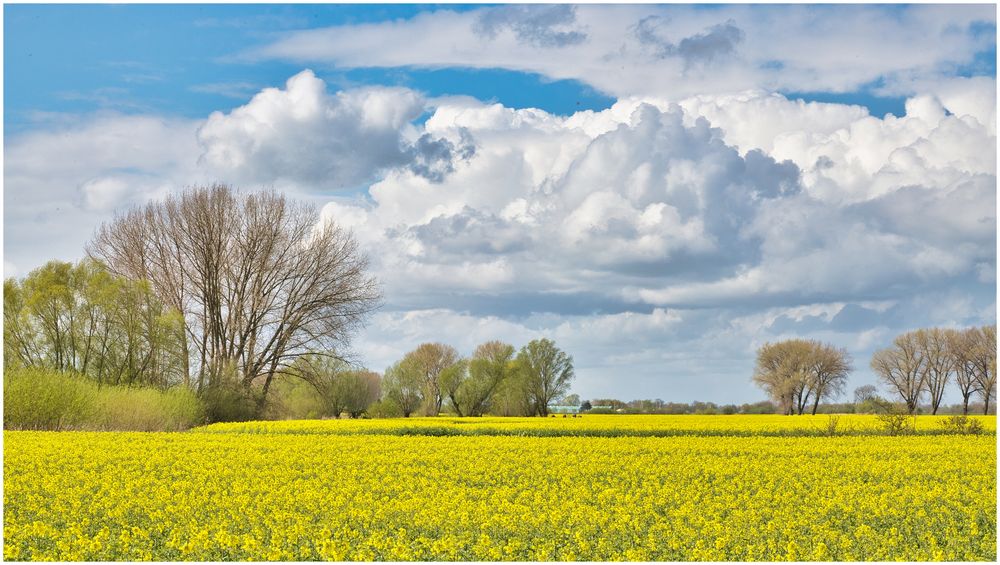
(361, 389)
(433, 359)
(548, 373)
(471, 385)
(403, 385)
(83, 319)
(453, 380)
(340, 387)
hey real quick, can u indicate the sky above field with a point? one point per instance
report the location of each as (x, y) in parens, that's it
(659, 189)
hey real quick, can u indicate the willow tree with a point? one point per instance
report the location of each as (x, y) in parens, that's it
(547, 372)
(82, 319)
(259, 279)
(432, 361)
(339, 386)
(471, 385)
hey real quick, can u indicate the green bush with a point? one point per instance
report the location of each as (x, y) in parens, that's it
(385, 409)
(229, 403)
(37, 399)
(291, 398)
(148, 410)
(961, 424)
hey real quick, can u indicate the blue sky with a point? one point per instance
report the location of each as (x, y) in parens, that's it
(177, 60)
(659, 188)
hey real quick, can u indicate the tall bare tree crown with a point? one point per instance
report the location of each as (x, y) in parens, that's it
(258, 279)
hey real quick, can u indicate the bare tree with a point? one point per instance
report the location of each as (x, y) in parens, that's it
(961, 346)
(828, 372)
(865, 393)
(984, 355)
(938, 364)
(902, 369)
(795, 371)
(259, 280)
(547, 373)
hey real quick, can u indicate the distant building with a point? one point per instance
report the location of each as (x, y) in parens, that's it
(563, 409)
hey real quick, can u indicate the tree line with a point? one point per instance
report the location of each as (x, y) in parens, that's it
(211, 289)
(82, 319)
(229, 294)
(923, 363)
(799, 374)
(497, 379)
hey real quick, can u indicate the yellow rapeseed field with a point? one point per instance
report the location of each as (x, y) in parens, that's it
(552, 489)
(609, 425)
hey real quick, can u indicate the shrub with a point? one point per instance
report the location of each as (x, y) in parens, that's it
(148, 410)
(291, 398)
(385, 409)
(832, 421)
(961, 424)
(228, 403)
(896, 422)
(38, 399)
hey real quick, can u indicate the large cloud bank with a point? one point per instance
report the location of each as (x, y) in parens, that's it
(659, 241)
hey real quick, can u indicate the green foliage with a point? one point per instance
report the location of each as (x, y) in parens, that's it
(384, 409)
(870, 405)
(82, 319)
(511, 396)
(832, 423)
(339, 387)
(547, 373)
(896, 419)
(148, 410)
(228, 402)
(40, 399)
(404, 386)
(291, 398)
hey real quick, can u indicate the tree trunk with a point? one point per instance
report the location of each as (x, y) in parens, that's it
(986, 403)
(965, 405)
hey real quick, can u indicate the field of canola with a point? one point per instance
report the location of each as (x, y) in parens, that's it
(770, 490)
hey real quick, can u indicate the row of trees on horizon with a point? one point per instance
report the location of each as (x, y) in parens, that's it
(250, 302)
(84, 320)
(920, 365)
